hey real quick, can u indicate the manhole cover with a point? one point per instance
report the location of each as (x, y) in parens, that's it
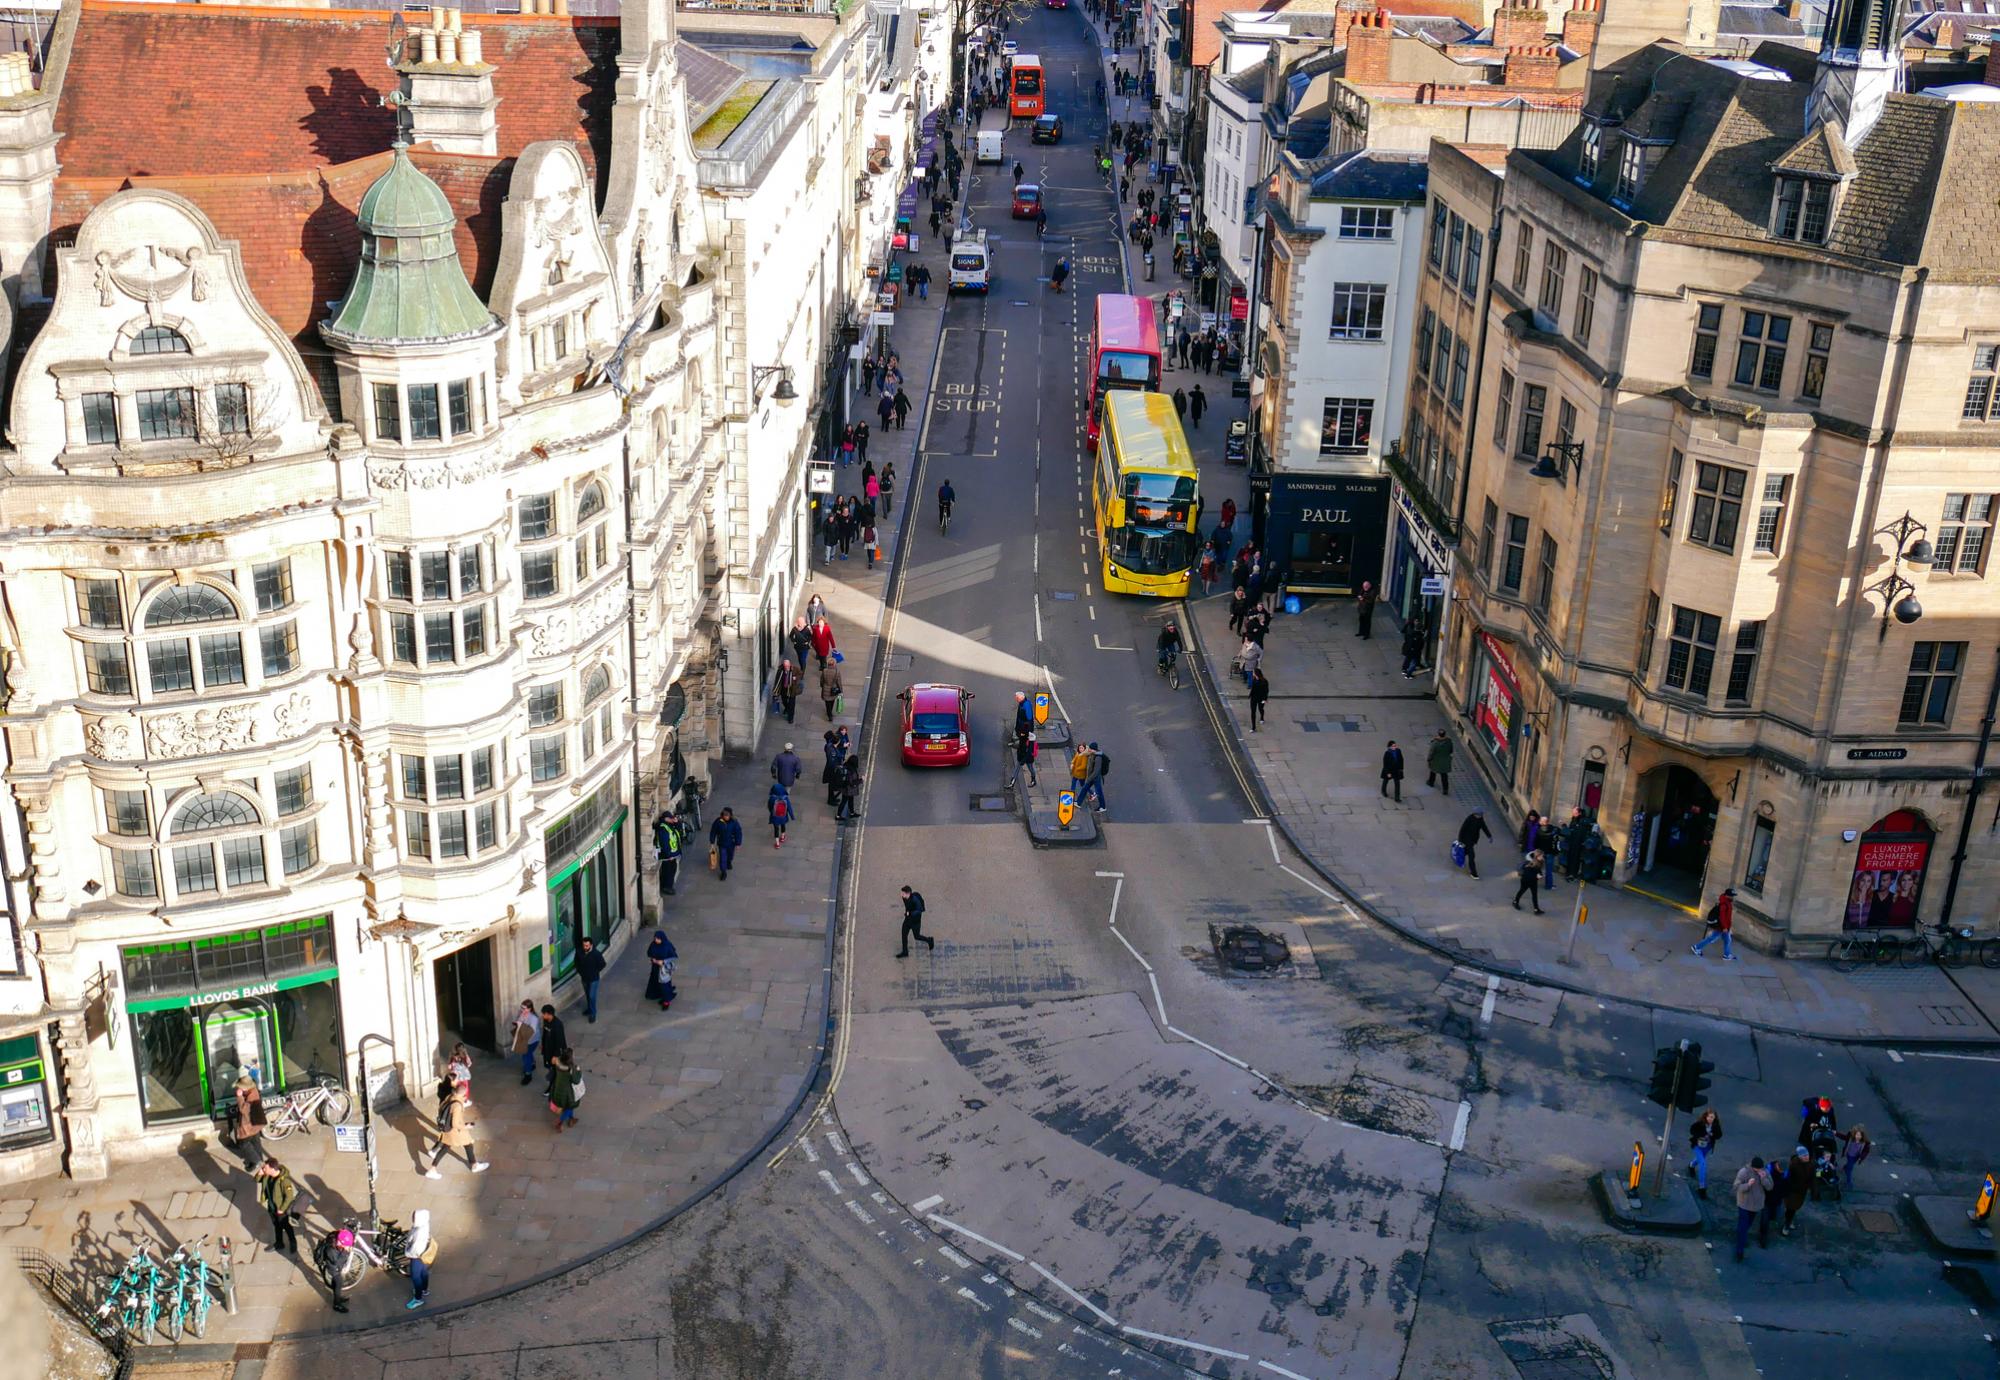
(1064, 595)
(1566, 1348)
(1875, 1220)
(1946, 1015)
(989, 802)
(1247, 949)
(897, 661)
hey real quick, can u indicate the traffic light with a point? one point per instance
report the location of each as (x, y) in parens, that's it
(1666, 1072)
(1693, 1083)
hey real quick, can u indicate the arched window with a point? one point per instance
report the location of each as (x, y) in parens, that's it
(596, 685)
(593, 533)
(184, 604)
(597, 727)
(160, 340)
(208, 814)
(590, 504)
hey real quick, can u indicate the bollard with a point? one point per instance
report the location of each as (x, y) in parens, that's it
(1983, 1209)
(226, 1268)
(1638, 1169)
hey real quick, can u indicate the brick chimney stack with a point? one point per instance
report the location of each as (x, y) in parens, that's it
(1344, 15)
(1581, 24)
(1516, 27)
(1368, 41)
(28, 168)
(1531, 67)
(448, 87)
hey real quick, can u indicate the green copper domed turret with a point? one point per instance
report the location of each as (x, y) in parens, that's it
(409, 285)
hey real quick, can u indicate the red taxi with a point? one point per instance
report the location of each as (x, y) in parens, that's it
(1027, 200)
(937, 730)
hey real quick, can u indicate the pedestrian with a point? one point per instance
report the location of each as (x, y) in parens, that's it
(1855, 1148)
(1574, 840)
(885, 408)
(1025, 748)
(936, 220)
(1096, 769)
(1180, 402)
(1208, 571)
(1250, 658)
(850, 790)
(1413, 648)
(1260, 691)
(1703, 1137)
(332, 1255)
(563, 1094)
(660, 956)
(725, 836)
(590, 969)
(888, 486)
(1392, 770)
(1257, 622)
(830, 687)
(779, 804)
(454, 1132)
(1197, 404)
(822, 640)
(555, 1039)
(801, 638)
(246, 1120)
(871, 485)
(815, 611)
(1531, 880)
(1721, 919)
(667, 839)
(786, 767)
(1468, 839)
(421, 1252)
(923, 277)
(278, 1194)
(848, 446)
(1798, 1183)
(861, 432)
(1753, 1187)
(1365, 604)
(527, 1039)
(834, 745)
(847, 526)
(1239, 605)
(1437, 763)
(913, 921)
(871, 544)
(901, 404)
(1079, 771)
(785, 687)
(1024, 713)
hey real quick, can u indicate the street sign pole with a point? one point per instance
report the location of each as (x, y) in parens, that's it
(1667, 1131)
(368, 1136)
(1575, 924)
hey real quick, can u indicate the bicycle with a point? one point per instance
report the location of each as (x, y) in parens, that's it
(1862, 949)
(1170, 667)
(132, 1298)
(384, 1248)
(944, 518)
(186, 1290)
(325, 1101)
(693, 791)
(1949, 948)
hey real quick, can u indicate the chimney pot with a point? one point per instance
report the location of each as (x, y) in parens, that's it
(427, 45)
(471, 48)
(448, 48)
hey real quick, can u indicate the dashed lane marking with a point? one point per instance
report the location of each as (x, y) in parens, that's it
(831, 1182)
(972, 1235)
(963, 1262)
(927, 1204)
(1458, 1127)
(1492, 995)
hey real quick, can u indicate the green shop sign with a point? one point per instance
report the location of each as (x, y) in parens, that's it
(242, 992)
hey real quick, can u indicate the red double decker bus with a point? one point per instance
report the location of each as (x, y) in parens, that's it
(1025, 97)
(1124, 353)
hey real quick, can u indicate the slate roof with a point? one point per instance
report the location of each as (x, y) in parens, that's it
(1369, 175)
(1921, 178)
(1822, 153)
(709, 79)
(1758, 21)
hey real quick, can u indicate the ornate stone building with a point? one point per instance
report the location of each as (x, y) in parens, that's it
(1726, 577)
(392, 464)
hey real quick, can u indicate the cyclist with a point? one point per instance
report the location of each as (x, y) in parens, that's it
(945, 500)
(1169, 645)
(1041, 222)
(1059, 272)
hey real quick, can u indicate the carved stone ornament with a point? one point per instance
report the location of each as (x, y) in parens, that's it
(200, 732)
(434, 474)
(141, 276)
(556, 217)
(293, 713)
(113, 738)
(659, 137)
(571, 627)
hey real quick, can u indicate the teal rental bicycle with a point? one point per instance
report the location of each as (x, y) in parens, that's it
(187, 1287)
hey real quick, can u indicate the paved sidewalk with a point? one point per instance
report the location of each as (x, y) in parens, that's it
(676, 1099)
(1336, 700)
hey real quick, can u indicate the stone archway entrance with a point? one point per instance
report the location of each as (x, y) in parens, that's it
(1674, 827)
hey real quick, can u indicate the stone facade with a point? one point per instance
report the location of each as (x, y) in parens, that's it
(346, 663)
(1700, 635)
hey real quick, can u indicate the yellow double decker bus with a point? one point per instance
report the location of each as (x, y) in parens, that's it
(1145, 497)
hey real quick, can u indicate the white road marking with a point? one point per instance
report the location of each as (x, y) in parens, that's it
(1102, 648)
(1102, 1316)
(1894, 1057)
(1459, 1126)
(1256, 821)
(855, 1170)
(1018, 1325)
(1093, 611)
(1220, 1054)
(1134, 952)
(1038, 553)
(955, 1258)
(1271, 832)
(831, 1182)
(812, 1155)
(1114, 902)
(971, 1235)
(1038, 621)
(927, 1204)
(1159, 1000)
(965, 1292)
(1182, 1341)
(1492, 995)
(833, 1139)
(861, 1212)
(1280, 1370)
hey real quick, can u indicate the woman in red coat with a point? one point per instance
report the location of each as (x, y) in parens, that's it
(822, 635)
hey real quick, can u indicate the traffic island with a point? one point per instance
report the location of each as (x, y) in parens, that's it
(1041, 809)
(1950, 1226)
(1675, 1212)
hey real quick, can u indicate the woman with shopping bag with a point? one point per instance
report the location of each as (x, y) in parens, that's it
(725, 836)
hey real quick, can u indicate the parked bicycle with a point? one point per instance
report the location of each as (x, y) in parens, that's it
(132, 1296)
(325, 1102)
(1951, 948)
(383, 1248)
(693, 791)
(185, 1280)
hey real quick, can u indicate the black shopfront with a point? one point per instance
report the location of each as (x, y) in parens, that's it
(1326, 532)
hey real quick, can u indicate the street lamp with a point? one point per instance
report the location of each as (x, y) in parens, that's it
(1569, 453)
(1899, 596)
(783, 393)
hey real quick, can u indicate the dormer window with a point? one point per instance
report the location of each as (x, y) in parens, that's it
(1803, 210)
(1631, 172)
(1589, 153)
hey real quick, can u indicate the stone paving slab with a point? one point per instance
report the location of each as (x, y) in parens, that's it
(1394, 858)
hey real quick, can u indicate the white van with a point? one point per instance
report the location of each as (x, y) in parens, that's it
(971, 265)
(991, 147)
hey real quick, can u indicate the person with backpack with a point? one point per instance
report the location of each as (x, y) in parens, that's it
(565, 1090)
(279, 1195)
(1721, 919)
(1098, 767)
(779, 803)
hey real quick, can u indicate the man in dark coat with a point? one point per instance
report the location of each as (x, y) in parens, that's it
(1392, 770)
(1468, 838)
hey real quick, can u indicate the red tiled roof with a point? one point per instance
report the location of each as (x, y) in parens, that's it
(197, 90)
(297, 230)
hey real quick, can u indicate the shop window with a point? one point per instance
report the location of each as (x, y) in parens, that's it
(1346, 426)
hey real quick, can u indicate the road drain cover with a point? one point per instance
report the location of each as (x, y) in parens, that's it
(989, 802)
(1875, 1220)
(1247, 949)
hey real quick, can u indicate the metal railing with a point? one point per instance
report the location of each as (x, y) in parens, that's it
(64, 1292)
